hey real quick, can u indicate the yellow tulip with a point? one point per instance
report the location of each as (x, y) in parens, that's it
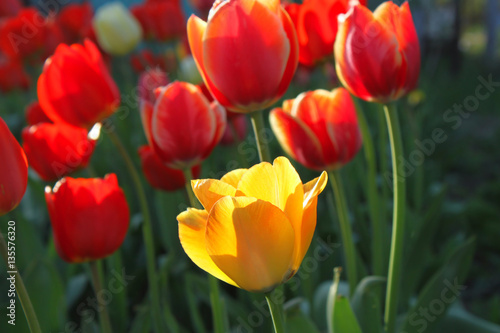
(256, 226)
(117, 30)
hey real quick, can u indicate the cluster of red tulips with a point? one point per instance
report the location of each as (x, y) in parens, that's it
(253, 227)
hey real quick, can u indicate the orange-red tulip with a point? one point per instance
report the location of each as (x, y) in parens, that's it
(247, 52)
(13, 170)
(89, 217)
(160, 19)
(160, 176)
(316, 24)
(378, 54)
(256, 227)
(319, 128)
(183, 127)
(76, 87)
(56, 150)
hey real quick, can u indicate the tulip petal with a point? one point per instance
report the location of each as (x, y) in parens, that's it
(196, 29)
(192, 230)
(311, 191)
(233, 177)
(250, 240)
(209, 191)
(297, 139)
(245, 61)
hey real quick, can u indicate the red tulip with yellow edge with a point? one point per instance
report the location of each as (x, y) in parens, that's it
(76, 87)
(377, 54)
(183, 127)
(13, 170)
(319, 128)
(247, 52)
(256, 225)
(89, 217)
(316, 25)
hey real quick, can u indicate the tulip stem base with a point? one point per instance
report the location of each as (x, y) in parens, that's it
(398, 224)
(345, 229)
(218, 314)
(147, 233)
(259, 130)
(22, 293)
(276, 310)
(96, 270)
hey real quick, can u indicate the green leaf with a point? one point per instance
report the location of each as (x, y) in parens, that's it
(440, 292)
(339, 313)
(366, 304)
(460, 321)
(299, 323)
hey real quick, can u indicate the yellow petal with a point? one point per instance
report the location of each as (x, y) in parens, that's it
(192, 229)
(208, 191)
(251, 241)
(313, 188)
(233, 177)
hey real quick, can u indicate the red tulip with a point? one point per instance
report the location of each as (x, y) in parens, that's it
(90, 217)
(183, 127)
(145, 59)
(13, 170)
(56, 150)
(378, 54)
(23, 36)
(160, 176)
(10, 8)
(75, 21)
(247, 52)
(161, 19)
(35, 114)
(319, 128)
(12, 74)
(76, 87)
(316, 24)
(149, 80)
(236, 129)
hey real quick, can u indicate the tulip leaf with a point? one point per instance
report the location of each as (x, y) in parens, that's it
(299, 323)
(457, 320)
(365, 303)
(441, 291)
(340, 316)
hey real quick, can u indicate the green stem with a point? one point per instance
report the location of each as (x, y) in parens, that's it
(259, 131)
(345, 229)
(378, 228)
(96, 269)
(399, 183)
(146, 231)
(120, 299)
(215, 298)
(22, 293)
(384, 167)
(277, 314)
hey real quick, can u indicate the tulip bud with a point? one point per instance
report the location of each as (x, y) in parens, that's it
(182, 126)
(247, 52)
(118, 31)
(89, 217)
(377, 54)
(319, 128)
(56, 150)
(13, 170)
(75, 86)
